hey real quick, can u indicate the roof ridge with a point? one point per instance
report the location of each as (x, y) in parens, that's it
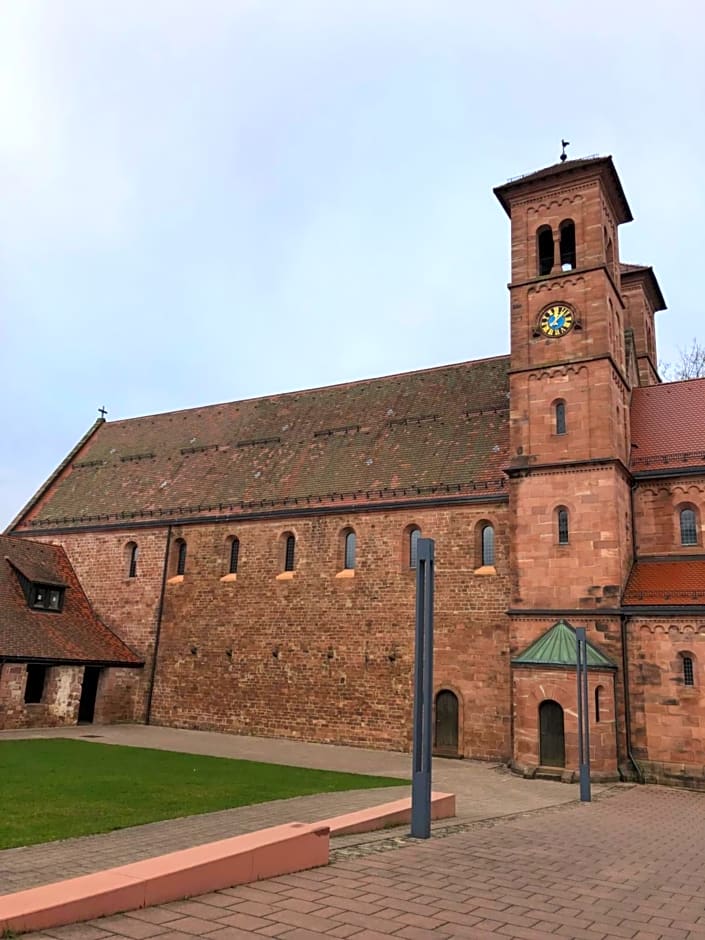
(315, 388)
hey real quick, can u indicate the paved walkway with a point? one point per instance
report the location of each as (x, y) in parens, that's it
(629, 865)
(483, 791)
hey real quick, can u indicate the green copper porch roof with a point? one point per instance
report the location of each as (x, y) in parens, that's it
(556, 647)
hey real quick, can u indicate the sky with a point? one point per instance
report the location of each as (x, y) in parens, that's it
(207, 200)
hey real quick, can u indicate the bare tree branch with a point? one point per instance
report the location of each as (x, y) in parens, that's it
(690, 364)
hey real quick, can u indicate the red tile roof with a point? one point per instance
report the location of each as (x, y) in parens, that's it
(419, 434)
(668, 425)
(667, 581)
(73, 634)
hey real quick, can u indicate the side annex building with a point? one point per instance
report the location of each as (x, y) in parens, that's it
(250, 566)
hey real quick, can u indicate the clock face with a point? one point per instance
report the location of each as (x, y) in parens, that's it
(557, 321)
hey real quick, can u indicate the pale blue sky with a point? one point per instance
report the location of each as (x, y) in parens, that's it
(205, 200)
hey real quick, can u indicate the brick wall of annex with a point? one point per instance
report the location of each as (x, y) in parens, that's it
(59, 705)
(668, 717)
(608, 745)
(128, 606)
(317, 657)
(532, 686)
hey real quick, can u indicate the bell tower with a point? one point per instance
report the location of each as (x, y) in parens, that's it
(569, 387)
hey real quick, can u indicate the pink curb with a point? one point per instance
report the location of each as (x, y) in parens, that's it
(388, 814)
(200, 870)
(268, 853)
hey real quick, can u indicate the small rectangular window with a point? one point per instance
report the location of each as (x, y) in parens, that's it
(43, 597)
(34, 688)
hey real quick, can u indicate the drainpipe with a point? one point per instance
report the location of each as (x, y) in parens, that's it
(627, 707)
(160, 612)
(625, 653)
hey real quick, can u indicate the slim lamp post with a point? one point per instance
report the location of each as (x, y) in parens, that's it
(583, 714)
(423, 693)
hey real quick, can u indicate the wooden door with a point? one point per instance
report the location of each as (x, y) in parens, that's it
(552, 737)
(446, 727)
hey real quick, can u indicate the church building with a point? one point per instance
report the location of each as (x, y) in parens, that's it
(257, 558)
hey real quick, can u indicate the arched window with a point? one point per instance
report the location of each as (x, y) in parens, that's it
(559, 409)
(487, 545)
(599, 693)
(349, 546)
(289, 552)
(180, 549)
(131, 553)
(609, 250)
(567, 244)
(689, 527)
(414, 536)
(544, 244)
(562, 525)
(234, 555)
(688, 672)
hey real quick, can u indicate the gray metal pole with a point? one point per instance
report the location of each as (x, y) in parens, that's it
(583, 714)
(423, 693)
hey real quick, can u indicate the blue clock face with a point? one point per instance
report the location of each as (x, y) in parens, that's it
(557, 321)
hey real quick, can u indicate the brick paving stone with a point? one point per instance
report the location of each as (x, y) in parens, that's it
(628, 865)
(130, 927)
(195, 925)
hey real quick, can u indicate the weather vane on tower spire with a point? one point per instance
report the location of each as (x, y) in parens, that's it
(564, 155)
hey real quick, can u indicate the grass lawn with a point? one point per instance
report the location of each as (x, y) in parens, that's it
(54, 789)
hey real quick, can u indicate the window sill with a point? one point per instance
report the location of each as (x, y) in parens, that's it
(346, 573)
(177, 579)
(485, 570)
(229, 577)
(285, 576)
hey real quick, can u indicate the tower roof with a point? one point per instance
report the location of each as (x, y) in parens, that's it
(560, 173)
(557, 647)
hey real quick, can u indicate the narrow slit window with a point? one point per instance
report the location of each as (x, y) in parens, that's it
(289, 553)
(350, 546)
(598, 702)
(487, 555)
(562, 518)
(414, 537)
(545, 249)
(132, 553)
(234, 556)
(689, 528)
(567, 245)
(180, 556)
(688, 675)
(560, 417)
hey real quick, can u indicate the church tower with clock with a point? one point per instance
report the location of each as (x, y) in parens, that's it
(570, 380)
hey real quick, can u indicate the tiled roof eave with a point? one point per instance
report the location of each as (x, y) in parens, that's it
(538, 664)
(287, 508)
(73, 661)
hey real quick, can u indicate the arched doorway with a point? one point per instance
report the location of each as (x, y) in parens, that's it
(551, 734)
(446, 726)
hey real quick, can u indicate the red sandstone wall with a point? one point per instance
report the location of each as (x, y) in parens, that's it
(668, 716)
(656, 513)
(591, 569)
(533, 686)
(315, 656)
